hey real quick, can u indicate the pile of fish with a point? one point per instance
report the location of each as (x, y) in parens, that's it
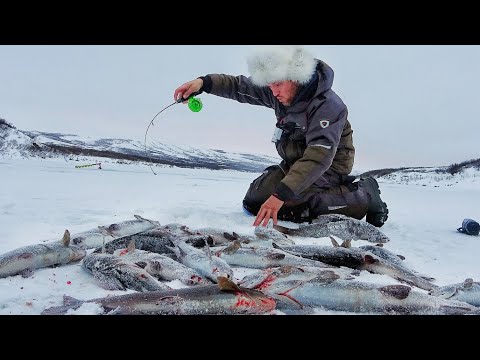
(143, 256)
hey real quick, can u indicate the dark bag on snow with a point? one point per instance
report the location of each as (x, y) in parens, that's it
(469, 227)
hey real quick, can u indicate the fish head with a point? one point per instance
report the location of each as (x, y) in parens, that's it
(445, 292)
(254, 280)
(219, 269)
(198, 280)
(77, 253)
(78, 241)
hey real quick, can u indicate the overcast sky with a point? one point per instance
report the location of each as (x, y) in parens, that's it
(412, 105)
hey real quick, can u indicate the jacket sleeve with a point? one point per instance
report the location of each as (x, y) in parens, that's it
(238, 88)
(322, 136)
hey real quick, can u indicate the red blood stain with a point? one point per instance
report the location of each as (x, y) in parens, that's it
(195, 279)
(244, 302)
(123, 252)
(69, 282)
(265, 284)
(267, 304)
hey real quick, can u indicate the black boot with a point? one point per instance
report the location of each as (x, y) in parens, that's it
(377, 213)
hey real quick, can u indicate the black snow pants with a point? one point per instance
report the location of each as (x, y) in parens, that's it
(339, 196)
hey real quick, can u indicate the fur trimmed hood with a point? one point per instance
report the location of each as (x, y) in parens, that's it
(271, 63)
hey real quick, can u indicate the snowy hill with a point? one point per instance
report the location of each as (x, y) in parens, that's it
(15, 143)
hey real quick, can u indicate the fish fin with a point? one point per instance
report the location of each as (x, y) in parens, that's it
(232, 248)
(155, 266)
(227, 284)
(153, 222)
(26, 273)
(141, 264)
(401, 257)
(228, 236)
(468, 283)
(282, 229)
(122, 310)
(176, 250)
(327, 276)
(66, 238)
(334, 242)
(276, 246)
(71, 301)
(426, 277)
(369, 259)
(208, 251)
(131, 246)
(107, 282)
(105, 231)
(347, 244)
(291, 303)
(211, 239)
(396, 291)
(275, 256)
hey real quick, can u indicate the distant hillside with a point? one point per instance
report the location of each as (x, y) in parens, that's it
(430, 176)
(451, 169)
(15, 142)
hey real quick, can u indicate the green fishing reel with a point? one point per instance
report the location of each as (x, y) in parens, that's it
(195, 104)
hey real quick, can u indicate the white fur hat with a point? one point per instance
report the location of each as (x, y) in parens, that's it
(271, 63)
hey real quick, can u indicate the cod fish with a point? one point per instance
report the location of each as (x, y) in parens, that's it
(113, 272)
(26, 259)
(263, 278)
(329, 291)
(161, 266)
(101, 235)
(223, 298)
(338, 225)
(202, 260)
(361, 259)
(262, 236)
(261, 257)
(273, 234)
(158, 240)
(155, 240)
(467, 291)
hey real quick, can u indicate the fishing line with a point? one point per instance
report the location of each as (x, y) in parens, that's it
(194, 105)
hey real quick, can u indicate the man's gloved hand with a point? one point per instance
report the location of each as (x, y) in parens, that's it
(268, 210)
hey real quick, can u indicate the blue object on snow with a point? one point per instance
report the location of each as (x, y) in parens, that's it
(469, 227)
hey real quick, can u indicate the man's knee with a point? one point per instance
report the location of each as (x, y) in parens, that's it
(343, 200)
(262, 188)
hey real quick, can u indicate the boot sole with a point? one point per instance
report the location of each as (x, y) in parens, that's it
(378, 214)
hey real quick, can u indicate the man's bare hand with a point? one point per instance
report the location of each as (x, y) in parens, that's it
(187, 89)
(268, 210)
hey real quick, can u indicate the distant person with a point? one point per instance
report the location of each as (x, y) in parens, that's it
(313, 136)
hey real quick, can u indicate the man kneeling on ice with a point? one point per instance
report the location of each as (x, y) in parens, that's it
(313, 136)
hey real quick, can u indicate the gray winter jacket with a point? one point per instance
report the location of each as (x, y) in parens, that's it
(317, 136)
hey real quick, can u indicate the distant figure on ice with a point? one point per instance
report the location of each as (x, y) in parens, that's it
(313, 136)
(100, 166)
